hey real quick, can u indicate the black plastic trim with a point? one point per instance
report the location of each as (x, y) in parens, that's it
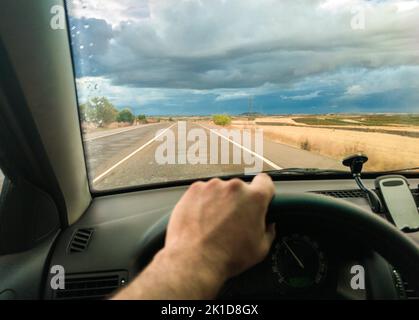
(76, 94)
(246, 178)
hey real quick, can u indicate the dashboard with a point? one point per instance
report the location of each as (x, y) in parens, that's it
(99, 251)
(302, 263)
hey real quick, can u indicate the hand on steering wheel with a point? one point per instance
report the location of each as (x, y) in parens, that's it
(233, 239)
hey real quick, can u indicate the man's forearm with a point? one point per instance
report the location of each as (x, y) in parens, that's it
(175, 275)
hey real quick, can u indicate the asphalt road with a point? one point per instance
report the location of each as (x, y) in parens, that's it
(127, 157)
(103, 150)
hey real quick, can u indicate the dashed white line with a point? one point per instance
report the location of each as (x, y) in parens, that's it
(130, 155)
(267, 161)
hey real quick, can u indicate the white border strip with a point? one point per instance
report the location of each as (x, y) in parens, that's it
(268, 162)
(131, 155)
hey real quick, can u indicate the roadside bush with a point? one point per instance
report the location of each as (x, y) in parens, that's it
(142, 118)
(305, 145)
(125, 115)
(221, 119)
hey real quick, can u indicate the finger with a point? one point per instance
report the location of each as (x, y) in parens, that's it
(263, 183)
(270, 232)
(269, 237)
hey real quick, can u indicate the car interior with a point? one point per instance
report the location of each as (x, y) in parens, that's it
(52, 215)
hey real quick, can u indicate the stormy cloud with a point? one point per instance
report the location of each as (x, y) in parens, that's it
(217, 51)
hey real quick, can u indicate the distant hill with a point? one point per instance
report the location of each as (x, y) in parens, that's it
(251, 114)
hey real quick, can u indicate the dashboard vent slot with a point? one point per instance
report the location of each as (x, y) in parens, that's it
(356, 193)
(91, 286)
(80, 240)
(410, 292)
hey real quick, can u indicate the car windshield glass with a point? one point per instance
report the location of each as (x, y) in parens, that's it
(175, 90)
(1, 180)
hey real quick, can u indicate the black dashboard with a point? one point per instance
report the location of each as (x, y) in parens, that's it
(302, 263)
(329, 262)
(99, 252)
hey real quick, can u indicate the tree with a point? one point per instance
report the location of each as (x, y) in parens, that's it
(82, 112)
(142, 118)
(100, 111)
(125, 115)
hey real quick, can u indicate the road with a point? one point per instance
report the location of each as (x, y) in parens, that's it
(127, 157)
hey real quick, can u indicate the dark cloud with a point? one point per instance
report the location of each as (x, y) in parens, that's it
(227, 49)
(90, 39)
(235, 44)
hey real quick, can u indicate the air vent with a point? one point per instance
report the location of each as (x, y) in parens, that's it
(80, 240)
(406, 290)
(356, 193)
(91, 286)
(410, 292)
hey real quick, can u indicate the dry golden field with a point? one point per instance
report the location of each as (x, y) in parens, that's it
(390, 146)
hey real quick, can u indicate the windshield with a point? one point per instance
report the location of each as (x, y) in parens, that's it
(175, 90)
(1, 180)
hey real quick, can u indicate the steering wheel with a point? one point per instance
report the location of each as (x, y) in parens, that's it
(381, 236)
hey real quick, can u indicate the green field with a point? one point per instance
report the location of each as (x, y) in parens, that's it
(322, 121)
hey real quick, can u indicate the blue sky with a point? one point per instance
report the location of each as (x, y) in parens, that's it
(191, 57)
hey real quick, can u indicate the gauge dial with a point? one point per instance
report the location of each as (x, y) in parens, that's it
(298, 263)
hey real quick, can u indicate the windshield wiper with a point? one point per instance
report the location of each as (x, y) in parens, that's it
(397, 170)
(318, 171)
(306, 171)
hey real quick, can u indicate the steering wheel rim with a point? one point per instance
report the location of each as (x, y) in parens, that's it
(392, 244)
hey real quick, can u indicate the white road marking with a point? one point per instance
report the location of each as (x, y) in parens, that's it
(267, 161)
(118, 132)
(130, 155)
